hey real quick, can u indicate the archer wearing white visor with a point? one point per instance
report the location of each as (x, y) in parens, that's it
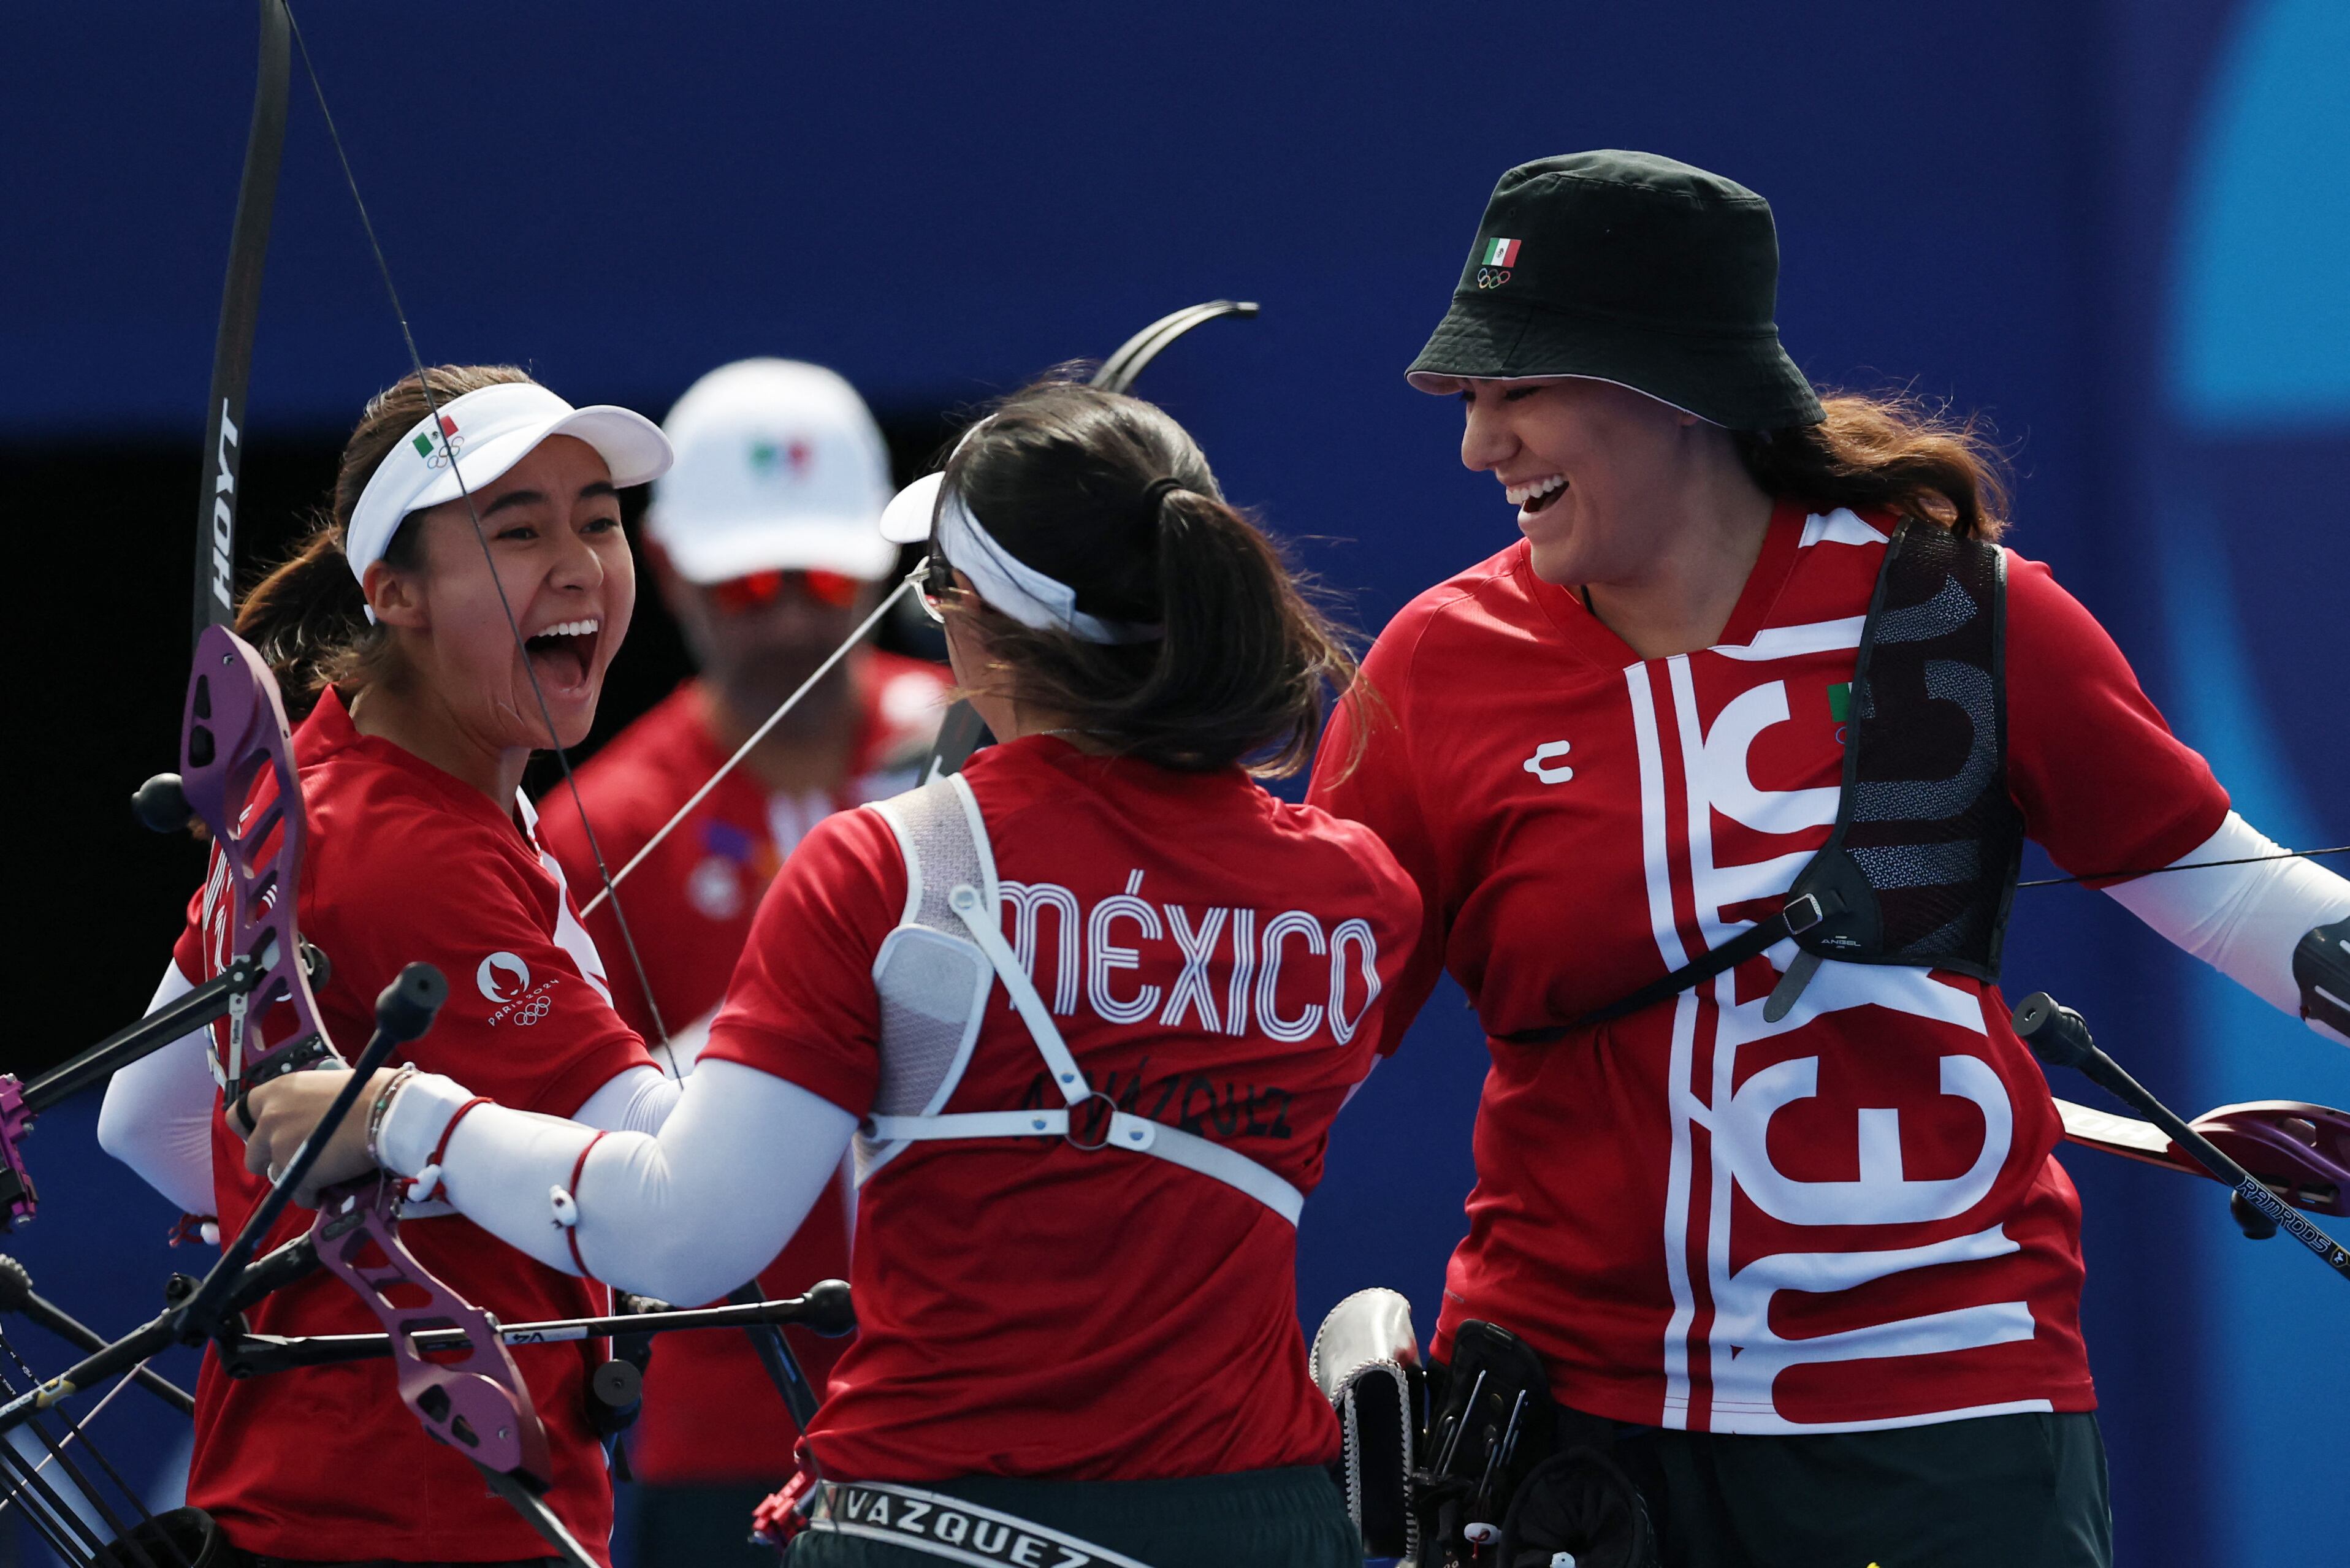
(761, 542)
(419, 705)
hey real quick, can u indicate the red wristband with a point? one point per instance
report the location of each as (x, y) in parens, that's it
(440, 1151)
(571, 1232)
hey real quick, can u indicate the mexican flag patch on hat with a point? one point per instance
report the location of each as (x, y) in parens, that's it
(1501, 252)
(424, 442)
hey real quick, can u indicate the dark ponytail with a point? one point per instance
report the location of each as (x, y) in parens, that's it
(307, 617)
(1108, 495)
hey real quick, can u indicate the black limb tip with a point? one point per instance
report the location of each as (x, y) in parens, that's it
(2056, 1033)
(162, 805)
(407, 1005)
(829, 1311)
(2255, 1224)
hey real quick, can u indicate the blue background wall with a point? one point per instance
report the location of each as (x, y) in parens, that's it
(2120, 229)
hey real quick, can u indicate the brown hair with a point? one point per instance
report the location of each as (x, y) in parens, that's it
(1063, 476)
(1889, 452)
(307, 617)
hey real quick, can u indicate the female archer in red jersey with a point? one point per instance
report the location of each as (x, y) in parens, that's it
(1087, 1009)
(390, 630)
(1784, 1233)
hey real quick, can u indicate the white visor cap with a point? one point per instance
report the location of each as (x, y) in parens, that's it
(481, 435)
(780, 467)
(907, 519)
(1041, 603)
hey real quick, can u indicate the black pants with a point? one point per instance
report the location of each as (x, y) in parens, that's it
(1996, 1492)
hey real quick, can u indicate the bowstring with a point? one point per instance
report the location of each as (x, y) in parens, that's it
(744, 750)
(481, 534)
(2193, 866)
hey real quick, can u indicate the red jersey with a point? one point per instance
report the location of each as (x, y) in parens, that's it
(709, 1413)
(1845, 1220)
(1026, 1307)
(406, 863)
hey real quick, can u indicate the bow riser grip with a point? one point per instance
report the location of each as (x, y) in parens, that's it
(468, 1402)
(234, 734)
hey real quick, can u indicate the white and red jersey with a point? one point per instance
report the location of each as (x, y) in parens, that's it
(406, 863)
(709, 1413)
(1216, 961)
(1845, 1220)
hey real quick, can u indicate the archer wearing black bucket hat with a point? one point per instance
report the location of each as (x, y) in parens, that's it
(1631, 268)
(1731, 1236)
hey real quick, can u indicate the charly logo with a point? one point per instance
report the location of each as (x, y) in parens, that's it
(502, 977)
(441, 453)
(1544, 763)
(1494, 261)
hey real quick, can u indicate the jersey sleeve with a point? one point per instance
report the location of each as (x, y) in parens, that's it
(2104, 785)
(522, 1025)
(559, 830)
(802, 1003)
(1365, 773)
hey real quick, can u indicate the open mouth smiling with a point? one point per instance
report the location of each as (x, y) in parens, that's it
(1535, 493)
(563, 654)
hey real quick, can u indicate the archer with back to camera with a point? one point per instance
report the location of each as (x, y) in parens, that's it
(386, 629)
(1086, 1010)
(1765, 1195)
(763, 541)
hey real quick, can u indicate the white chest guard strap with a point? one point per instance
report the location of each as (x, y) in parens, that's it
(934, 982)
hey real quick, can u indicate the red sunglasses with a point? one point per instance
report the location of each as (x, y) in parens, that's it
(833, 590)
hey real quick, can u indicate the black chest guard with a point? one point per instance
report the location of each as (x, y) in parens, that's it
(1922, 863)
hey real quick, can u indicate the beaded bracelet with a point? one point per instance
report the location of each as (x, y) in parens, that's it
(382, 1108)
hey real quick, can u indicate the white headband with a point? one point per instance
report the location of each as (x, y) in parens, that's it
(1037, 601)
(490, 430)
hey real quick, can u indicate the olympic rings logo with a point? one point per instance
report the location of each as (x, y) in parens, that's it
(536, 1008)
(444, 451)
(1493, 276)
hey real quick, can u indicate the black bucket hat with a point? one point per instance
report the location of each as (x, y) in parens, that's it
(1631, 268)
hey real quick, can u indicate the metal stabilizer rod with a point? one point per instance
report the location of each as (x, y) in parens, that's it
(17, 1295)
(2059, 1037)
(273, 1271)
(824, 1310)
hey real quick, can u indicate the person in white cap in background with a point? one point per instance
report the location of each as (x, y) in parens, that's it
(763, 541)
(419, 704)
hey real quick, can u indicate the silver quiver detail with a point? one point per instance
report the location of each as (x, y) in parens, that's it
(1366, 1361)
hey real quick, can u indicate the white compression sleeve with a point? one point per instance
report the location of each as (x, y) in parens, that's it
(158, 1114)
(2243, 920)
(686, 1213)
(638, 1100)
